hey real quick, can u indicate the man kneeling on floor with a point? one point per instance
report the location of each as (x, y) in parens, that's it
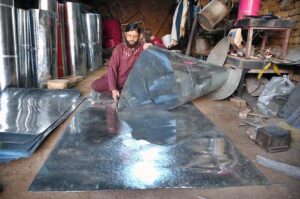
(121, 62)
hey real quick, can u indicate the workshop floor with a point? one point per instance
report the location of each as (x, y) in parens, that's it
(17, 176)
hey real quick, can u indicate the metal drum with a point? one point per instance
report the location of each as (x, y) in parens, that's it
(75, 40)
(93, 40)
(8, 45)
(43, 44)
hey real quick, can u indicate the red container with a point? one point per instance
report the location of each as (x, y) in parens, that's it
(248, 8)
(112, 33)
(158, 42)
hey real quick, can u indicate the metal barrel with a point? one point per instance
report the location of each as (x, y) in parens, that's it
(75, 40)
(8, 45)
(93, 40)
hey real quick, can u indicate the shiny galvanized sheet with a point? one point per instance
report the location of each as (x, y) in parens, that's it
(169, 80)
(62, 37)
(93, 40)
(8, 45)
(28, 116)
(142, 148)
(24, 49)
(75, 40)
(32, 111)
(43, 51)
(49, 5)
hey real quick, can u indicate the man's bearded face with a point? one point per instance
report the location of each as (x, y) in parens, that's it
(132, 38)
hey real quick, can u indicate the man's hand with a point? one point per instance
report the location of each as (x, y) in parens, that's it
(147, 45)
(115, 95)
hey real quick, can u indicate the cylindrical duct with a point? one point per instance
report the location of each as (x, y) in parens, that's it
(61, 43)
(75, 40)
(43, 39)
(24, 47)
(94, 40)
(8, 45)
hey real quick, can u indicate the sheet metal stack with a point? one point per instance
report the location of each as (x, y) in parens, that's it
(27, 116)
(93, 40)
(75, 40)
(8, 45)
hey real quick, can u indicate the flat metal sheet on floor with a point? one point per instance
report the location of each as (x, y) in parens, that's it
(142, 148)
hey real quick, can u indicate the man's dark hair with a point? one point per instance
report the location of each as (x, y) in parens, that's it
(132, 27)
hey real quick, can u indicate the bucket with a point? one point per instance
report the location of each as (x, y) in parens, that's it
(212, 14)
(248, 8)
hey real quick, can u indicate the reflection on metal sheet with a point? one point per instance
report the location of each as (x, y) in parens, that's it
(75, 40)
(31, 111)
(8, 45)
(169, 80)
(27, 116)
(142, 148)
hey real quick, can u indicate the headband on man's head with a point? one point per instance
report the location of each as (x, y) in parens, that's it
(132, 27)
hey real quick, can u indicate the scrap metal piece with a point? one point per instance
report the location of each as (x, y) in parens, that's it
(169, 80)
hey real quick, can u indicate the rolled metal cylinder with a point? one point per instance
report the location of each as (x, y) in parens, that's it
(75, 40)
(93, 40)
(61, 43)
(43, 55)
(169, 80)
(49, 5)
(24, 48)
(8, 45)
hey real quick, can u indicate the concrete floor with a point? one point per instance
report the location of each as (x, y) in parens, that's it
(17, 176)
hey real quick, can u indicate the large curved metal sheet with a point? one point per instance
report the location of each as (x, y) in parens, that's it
(228, 88)
(94, 40)
(8, 45)
(75, 40)
(169, 79)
